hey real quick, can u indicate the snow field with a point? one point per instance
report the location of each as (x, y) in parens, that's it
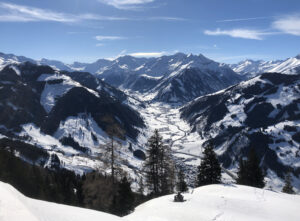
(207, 203)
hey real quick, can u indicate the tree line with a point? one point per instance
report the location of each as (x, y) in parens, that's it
(160, 172)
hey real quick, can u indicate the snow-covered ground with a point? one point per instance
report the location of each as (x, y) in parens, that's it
(208, 203)
(221, 202)
(15, 207)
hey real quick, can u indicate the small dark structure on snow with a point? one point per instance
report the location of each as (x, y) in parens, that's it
(178, 197)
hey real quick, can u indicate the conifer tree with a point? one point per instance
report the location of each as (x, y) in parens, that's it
(288, 188)
(209, 171)
(181, 184)
(167, 171)
(242, 176)
(250, 173)
(158, 166)
(125, 198)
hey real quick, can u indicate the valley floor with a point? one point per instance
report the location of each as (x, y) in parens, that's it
(186, 145)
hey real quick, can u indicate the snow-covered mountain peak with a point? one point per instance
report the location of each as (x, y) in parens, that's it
(250, 68)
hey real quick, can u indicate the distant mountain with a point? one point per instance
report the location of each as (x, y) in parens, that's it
(58, 65)
(177, 78)
(64, 113)
(262, 113)
(12, 59)
(196, 77)
(173, 79)
(250, 68)
(150, 75)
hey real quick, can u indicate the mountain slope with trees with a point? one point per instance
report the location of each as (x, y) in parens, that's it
(65, 114)
(262, 113)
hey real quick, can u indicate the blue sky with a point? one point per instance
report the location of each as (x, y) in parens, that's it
(86, 30)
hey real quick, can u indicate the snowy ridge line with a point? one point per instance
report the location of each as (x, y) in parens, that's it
(232, 175)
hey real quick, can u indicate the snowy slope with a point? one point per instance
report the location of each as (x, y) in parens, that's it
(14, 207)
(288, 66)
(6, 59)
(262, 113)
(250, 68)
(63, 114)
(213, 202)
(53, 91)
(191, 82)
(219, 202)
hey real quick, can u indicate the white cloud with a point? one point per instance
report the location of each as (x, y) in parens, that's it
(148, 54)
(288, 24)
(163, 18)
(20, 13)
(13, 12)
(103, 18)
(245, 19)
(126, 4)
(100, 45)
(240, 33)
(109, 38)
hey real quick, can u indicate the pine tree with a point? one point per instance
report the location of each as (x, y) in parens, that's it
(241, 179)
(288, 188)
(152, 162)
(125, 198)
(181, 184)
(209, 171)
(158, 166)
(250, 173)
(166, 171)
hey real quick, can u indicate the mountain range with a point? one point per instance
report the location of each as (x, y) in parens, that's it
(51, 112)
(160, 66)
(167, 77)
(250, 68)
